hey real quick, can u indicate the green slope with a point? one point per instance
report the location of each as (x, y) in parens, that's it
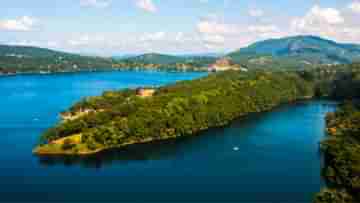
(298, 52)
(154, 58)
(22, 59)
(164, 59)
(28, 51)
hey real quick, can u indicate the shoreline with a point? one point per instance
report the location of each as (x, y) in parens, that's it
(38, 151)
(75, 138)
(104, 71)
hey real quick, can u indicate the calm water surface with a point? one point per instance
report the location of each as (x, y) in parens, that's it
(277, 158)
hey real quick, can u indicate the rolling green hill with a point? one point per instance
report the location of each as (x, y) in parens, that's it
(27, 51)
(163, 59)
(297, 52)
(154, 58)
(23, 59)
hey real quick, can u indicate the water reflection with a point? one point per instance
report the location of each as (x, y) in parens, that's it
(181, 148)
(140, 152)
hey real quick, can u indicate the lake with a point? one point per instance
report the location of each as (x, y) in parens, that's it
(267, 157)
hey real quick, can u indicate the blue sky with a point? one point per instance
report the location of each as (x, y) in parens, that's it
(115, 27)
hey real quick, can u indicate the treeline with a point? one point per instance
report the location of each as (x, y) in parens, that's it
(121, 117)
(342, 156)
(335, 82)
(342, 146)
(166, 63)
(68, 63)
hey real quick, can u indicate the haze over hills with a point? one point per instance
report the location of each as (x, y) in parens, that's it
(164, 59)
(24, 59)
(29, 51)
(296, 51)
(290, 53)
(155, 58)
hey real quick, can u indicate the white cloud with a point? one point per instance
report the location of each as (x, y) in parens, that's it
(146, 5)
(355, 6)
(52, 44)
(221, 36)
(95, 3)
(179, 37)
(214, 39)
(25, 23)
(318, 18)
(255, 12)
(153, 36)
(263, 28)
(24, 43)
(86, 40)
(215, 27)
(266, 31)
(336, 24)
(319, 21)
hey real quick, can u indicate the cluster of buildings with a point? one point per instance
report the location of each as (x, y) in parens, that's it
(225, 64)
(145, 92)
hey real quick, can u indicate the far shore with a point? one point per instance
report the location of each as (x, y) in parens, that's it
(100, 71)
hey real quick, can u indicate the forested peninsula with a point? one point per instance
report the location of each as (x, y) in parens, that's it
(120, 118)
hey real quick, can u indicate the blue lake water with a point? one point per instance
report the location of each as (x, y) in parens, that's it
(268, 157)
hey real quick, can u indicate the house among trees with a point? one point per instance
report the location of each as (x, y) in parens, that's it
(145, 92)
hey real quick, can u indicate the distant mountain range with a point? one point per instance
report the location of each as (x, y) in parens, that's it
(290, 53)
(23, 59)
(214, 55)
(27, 51)
(296, 51)
(163, 59)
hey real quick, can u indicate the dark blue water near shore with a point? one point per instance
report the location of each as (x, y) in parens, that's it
(268, 157)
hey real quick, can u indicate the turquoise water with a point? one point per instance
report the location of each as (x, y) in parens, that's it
(269, 157)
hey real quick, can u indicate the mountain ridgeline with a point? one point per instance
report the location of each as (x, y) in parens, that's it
(167, 62)
(299, 52)
(291, 53)
(23, 59)
(296, 52)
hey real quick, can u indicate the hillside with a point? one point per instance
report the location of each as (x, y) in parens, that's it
(23, 59)
(165, 62)
(164, 59)
(154, 58)
(27, 51)
(298, 51)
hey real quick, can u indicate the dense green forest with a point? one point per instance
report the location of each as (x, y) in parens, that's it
(342, 145)
(338, 82)
(20, 59)
(342, 156)
(166, 62)
(121, 117)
